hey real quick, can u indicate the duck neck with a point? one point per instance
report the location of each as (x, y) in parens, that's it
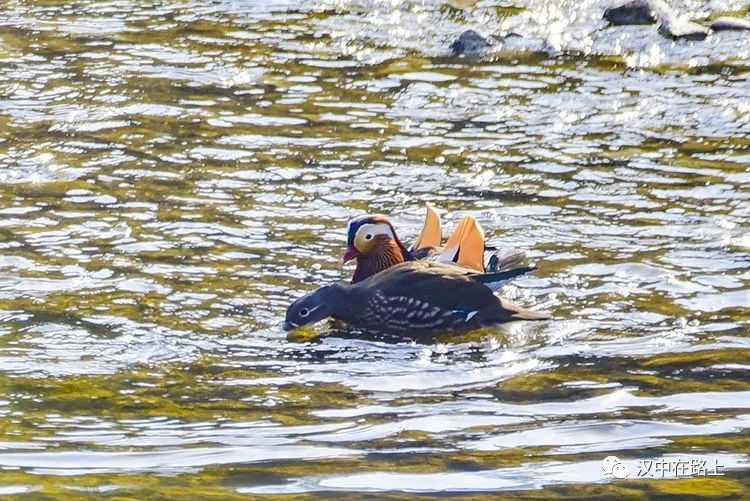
(342, 301)
(387, 252)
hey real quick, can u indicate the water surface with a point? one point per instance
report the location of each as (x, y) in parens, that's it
(173, 174)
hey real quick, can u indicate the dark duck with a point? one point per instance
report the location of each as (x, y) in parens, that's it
(415, 297)
(373, 242)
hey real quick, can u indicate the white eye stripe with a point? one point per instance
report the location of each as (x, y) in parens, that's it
(375, 229)
(309, 311)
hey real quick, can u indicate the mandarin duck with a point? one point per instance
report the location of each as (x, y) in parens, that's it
(415, 297)
(373, 242)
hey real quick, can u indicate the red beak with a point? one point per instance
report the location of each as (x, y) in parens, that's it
(350, 254)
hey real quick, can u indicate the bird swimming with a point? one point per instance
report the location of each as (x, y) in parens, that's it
(372, 241)
(415, 297)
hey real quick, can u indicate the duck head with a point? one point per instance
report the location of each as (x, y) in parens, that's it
(372, 241)
(314, 307)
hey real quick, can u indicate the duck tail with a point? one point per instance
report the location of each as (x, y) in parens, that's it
(503, 262)
(518, 313)
(496, 280)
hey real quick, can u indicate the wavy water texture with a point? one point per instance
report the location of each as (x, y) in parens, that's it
(174, 174)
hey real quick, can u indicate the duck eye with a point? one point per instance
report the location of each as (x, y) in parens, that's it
(368, 236)
(304, 312)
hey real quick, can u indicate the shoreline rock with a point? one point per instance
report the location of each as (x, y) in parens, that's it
(640, 12)
(730, 24)
(470, 44)
(635, 12)
(681, 29)
(630, 12)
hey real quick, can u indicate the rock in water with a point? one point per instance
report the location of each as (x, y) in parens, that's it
(470, 44)
(730, 24)
(632, 12)
(650, 11)
(671, 26)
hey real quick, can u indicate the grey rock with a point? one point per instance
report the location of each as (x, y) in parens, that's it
(473, 45)
(656, 11)
(730, 24)
(671, 25)
(470, 44)
(632, 12)
(513, 42)
(676, 28)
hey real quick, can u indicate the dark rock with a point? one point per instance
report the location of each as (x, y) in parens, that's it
(650, 11)
(515, 43)
(632, 12)
(470, 44)
(730, 23)
(676, 28)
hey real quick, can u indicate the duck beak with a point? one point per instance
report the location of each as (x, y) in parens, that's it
(288, 326)
(350, 254)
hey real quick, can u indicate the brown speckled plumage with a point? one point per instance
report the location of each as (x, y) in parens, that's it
(387, 253)
(414, 297)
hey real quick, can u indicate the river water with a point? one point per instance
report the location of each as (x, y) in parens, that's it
(174, 173)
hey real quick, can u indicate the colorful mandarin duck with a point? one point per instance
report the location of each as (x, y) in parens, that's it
(373, 242)
(415, 297)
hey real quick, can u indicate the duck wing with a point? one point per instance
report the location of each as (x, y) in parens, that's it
(460, 287)
(495, 281)
(419, 296)
(465, 246)
(431, 235)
